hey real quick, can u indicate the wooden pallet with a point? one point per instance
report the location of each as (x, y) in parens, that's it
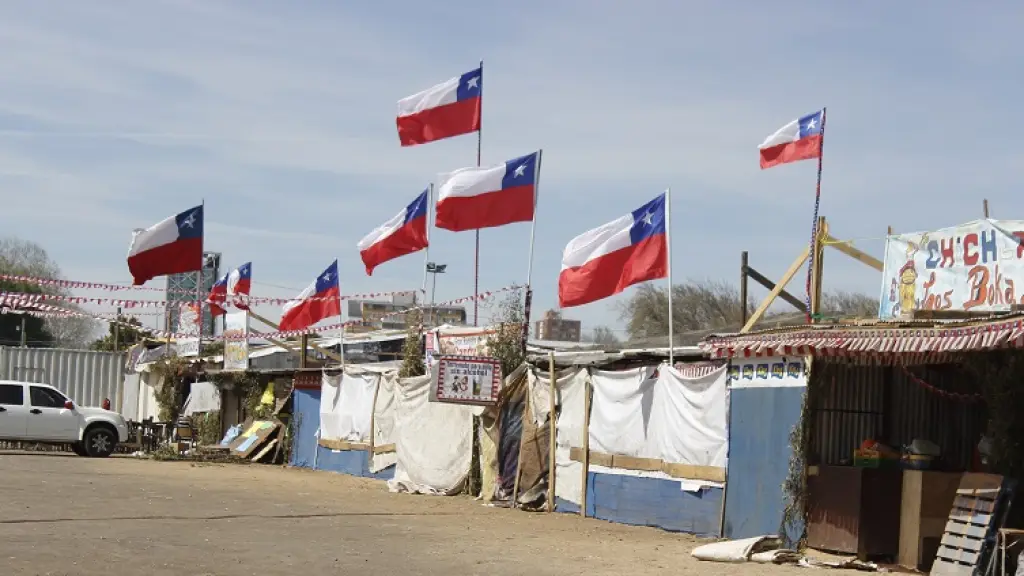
(969, 535)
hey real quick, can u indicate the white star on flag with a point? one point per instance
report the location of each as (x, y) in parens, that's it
(520, 171)
(473, 82)
(327, 277)
(190, 221)
(811, 124)
(648, 219)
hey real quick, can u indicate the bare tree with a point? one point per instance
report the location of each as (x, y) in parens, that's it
(710, 305)
(604, 336)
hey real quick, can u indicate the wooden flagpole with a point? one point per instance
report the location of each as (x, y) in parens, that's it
(430, 223)
(813, 262)
(199, 288)
(668, 255)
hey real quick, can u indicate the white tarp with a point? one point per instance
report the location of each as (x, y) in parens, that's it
(688, 419)
(384, 423)
(620, 410)
(434, 440)
(202, 397)
(568, 429)
(346, 403)
(130, 396)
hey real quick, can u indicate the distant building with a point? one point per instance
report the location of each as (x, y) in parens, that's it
(181, 289)
(553, 327)
(374, 314)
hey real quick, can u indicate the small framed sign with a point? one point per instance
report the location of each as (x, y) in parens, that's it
(467, 380)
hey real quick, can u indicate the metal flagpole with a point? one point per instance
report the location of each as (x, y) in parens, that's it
(426, 251)
(813, 261)
(668, 255)
(528, 299)
(476, 254)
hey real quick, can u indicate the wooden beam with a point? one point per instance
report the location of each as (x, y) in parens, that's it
(818, 256)
(858, 255)
(763, 307)
(329, 353)
(984, 207)
(769, 285)
(744, 269)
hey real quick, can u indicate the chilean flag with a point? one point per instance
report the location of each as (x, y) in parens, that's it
(218, 296)
(798, 140)
(473, 198)
(404, 234)
(236, 285)
(449, 109)
(321, 299)
(606, 260)
(172, 246)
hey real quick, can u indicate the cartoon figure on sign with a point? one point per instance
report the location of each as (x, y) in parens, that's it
(907, 281)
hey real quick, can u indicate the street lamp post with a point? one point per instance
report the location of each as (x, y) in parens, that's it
(435, 269)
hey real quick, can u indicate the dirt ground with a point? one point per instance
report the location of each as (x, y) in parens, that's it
(61, 514)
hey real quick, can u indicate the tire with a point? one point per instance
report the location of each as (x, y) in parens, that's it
(100, 441)
(78, 448)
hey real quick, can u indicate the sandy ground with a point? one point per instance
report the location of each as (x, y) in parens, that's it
(62, 514)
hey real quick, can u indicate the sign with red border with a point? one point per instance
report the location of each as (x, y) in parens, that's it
(467, 380)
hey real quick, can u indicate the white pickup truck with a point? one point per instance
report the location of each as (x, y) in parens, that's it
(31, 412)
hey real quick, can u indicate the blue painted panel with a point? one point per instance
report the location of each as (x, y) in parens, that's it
(306, 407)
(760, 422)
(306, 411)
(651, 502)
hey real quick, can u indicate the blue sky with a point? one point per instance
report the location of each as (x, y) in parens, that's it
(114, 115)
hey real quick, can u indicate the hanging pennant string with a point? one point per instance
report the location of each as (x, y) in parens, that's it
(22, 298)
(965, 398)
(48, 311)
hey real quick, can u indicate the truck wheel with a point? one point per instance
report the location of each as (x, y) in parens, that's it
(100, 441)
(78, 448)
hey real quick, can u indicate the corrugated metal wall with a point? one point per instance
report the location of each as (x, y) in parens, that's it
(86, 376)
(853, 403)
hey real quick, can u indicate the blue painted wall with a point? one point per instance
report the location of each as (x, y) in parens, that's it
(760, 422)
(306, 406)
(649, 502)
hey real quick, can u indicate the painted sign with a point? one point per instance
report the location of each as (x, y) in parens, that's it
(463, 341)
(236, 341)
(467, 380)
(188, 326)
(779, 372)
(975, 266)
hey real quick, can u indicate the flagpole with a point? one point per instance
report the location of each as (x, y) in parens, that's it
(528, 297)
(430, 223)
(813, 261)
(668, 255)
(476, 253)
(199, 285)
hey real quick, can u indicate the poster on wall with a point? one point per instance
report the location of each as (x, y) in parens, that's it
(975, 266)
(771, 372)
(466, 380)
(236, 341)
(429, 348)
(188, 328)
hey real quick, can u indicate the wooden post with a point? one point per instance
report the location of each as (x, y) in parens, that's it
(743, 287)
(304, 340)
(553, 425)
(586, 447)
(373, 415)
(816, 273)
(888, 231)
(984, 207)
(522, 440)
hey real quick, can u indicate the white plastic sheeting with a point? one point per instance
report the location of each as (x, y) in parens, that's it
(568, 429)
(346, 403)
(384, 423)
(202, 397)
(620, 411)
(434, 440)
(674, 418)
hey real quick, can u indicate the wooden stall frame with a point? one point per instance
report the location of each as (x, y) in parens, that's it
(822, 240)
(587, 392)
(301, 351)
(553, 425)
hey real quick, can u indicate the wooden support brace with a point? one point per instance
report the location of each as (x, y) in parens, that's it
(763, 307)
(854, 253)
(764, 281)
(329, 353)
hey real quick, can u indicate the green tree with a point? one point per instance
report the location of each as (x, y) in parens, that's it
(128, 332)
(412, 349)
(22, 258)
(604, 336)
